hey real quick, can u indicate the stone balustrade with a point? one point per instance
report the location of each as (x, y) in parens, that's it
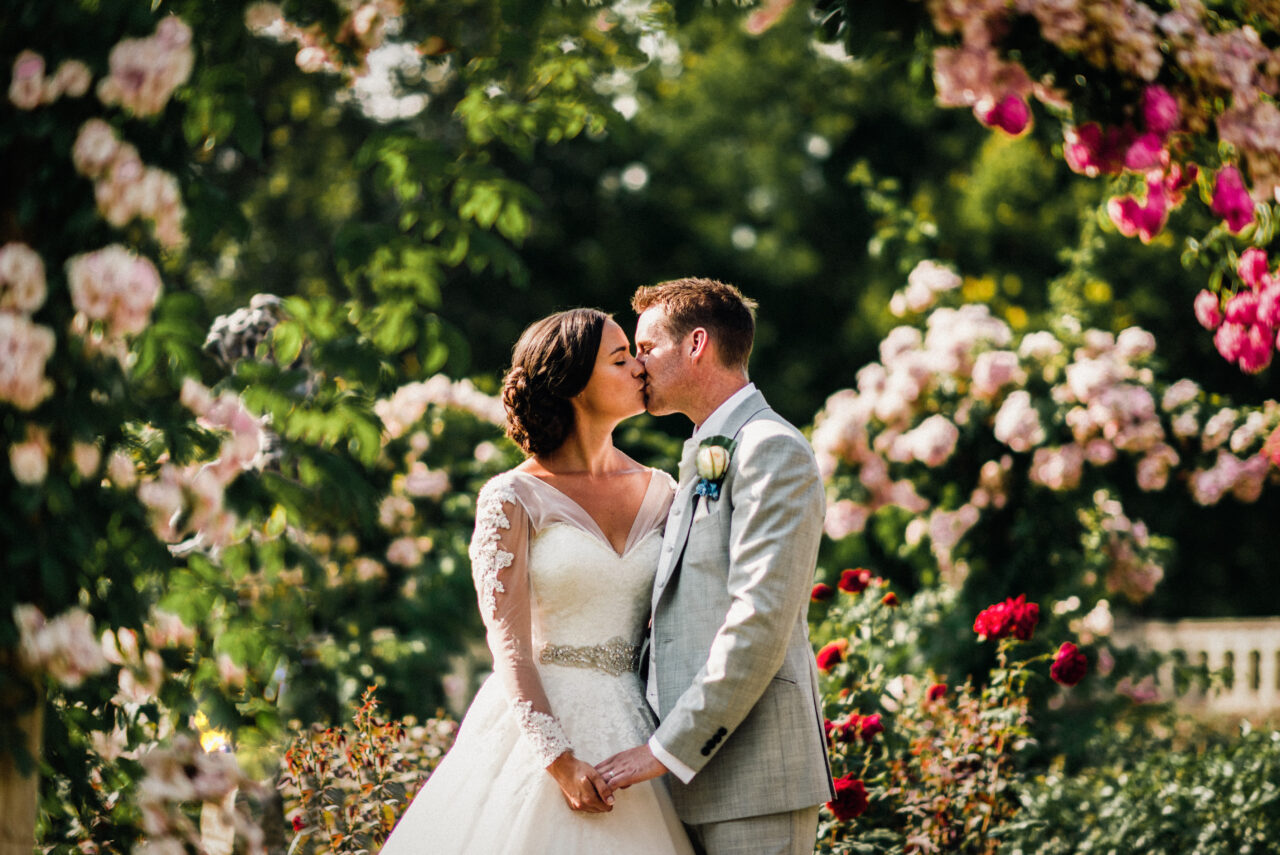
(1250, 647)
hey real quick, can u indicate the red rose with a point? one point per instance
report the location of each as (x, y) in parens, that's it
(847, 731)
(299, 823)
(890, 599)
(827, 726)
(851, 798)
(855, 581)
(870, 726)
(832, 654)
(1069, 666)
(1015, 616)
(937, 691)
(821, 591)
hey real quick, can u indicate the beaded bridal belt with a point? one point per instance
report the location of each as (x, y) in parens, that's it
(616, 656)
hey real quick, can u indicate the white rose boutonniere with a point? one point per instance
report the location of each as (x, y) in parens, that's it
(712, 463)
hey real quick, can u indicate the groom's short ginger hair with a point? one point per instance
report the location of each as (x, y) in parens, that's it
(719, 308)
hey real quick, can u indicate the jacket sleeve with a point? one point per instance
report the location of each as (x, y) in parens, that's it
(775, 529)
(500, 567)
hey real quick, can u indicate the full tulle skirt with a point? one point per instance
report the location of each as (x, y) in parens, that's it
(491, 795)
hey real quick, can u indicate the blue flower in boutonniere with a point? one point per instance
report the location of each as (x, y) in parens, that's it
(712, 463)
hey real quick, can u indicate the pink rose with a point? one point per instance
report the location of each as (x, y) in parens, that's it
(1142, 219)
(1092, 151)
(1230, 341)
(1255, 352)
(1252, 267)
(1011, 115)
(27, 86)
(1146, 152)
(1269, 306)
(1160, 112)
(1231, 199)
(1207, 309)
(1242, 308)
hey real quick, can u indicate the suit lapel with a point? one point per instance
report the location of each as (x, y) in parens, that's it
(680, 518)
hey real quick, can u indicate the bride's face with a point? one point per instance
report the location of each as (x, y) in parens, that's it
(616, 387)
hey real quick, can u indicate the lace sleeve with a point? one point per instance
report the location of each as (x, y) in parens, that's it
(499, 564)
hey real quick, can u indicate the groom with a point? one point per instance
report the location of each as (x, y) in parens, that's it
(731, 671)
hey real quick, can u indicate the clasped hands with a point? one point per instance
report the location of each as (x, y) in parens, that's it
(590, 788)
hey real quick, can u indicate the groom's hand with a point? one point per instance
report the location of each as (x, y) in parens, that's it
(631, 767)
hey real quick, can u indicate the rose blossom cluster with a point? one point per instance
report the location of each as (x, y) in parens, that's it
(1217, 75)
(25, 346)
(1120, 550)
(925, 283)
(363, 30)
(183, 774)
(1245, 324)
(113, 290)
(1014, 617)
(64, 647)
(145, 72)
(124, 187)
(30, 87)
(1095, 400)
(189, 499)
(409, 403)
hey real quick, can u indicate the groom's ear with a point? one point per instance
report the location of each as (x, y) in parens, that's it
(699, 343)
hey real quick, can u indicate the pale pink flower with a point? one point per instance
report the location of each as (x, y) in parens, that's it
(404, 551)
(166, 629)
(312, 59)
(422, 482)
(121, 470)
(95, 148)
(1057, 468)
(1099, 452)
(1135, 343)
(1097, 623)
(116, 287)
(22, 282)
(1017, 424)
(71, 79)
(844, 518)
(65, 647)
(947, 528)
(86, 456)
(145, 72)
(1088, 378)
(1219, 428)
(1208, 310)
(1145, 153)
(1186, 424)
(1153, 468)
(899, 341)
(1040, 345)
(931, 443)
(26, 88)
(993, 370)
(29, 459)
(1269, 304)
(1231, 199)
(1182, 392)
(1250, 478)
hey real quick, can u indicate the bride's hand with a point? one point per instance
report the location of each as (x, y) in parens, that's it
(581, 785)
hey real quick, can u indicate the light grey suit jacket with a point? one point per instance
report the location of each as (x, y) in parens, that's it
(736, 680)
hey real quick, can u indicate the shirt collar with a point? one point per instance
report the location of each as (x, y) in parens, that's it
(716, 421)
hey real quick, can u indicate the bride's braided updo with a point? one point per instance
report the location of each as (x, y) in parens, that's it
(550, 364)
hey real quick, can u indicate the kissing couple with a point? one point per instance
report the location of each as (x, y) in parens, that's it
(582, 556)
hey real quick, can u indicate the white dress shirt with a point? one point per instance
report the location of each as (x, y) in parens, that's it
(712, 426)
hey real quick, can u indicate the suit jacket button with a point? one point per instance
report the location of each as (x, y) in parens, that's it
(706, 752)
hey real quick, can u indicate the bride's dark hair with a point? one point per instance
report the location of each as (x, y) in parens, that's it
(550, 364)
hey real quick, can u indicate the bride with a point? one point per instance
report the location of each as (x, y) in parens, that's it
(564, 553)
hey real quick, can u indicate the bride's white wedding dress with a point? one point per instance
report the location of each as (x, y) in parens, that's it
(565, 615)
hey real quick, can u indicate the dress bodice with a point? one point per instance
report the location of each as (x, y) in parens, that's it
(583, 592)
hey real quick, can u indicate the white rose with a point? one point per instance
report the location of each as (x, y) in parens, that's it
(712, 462)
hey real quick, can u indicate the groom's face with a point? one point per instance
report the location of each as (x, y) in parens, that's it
(665, 362)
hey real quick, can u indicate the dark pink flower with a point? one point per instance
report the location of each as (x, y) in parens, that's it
(1208, 310)
(1092, 151)
(1230, 340)
(1255, 351)
(1142, 219)
(1069, 665)
(869, 726)
(937, 691)
(1252, 267)
(1242, 308)
(1011, 115)
(1160, 112)
(1231, 199)
(1146, 152)
(1177, 180)
(1269, 306)
(851, 798)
